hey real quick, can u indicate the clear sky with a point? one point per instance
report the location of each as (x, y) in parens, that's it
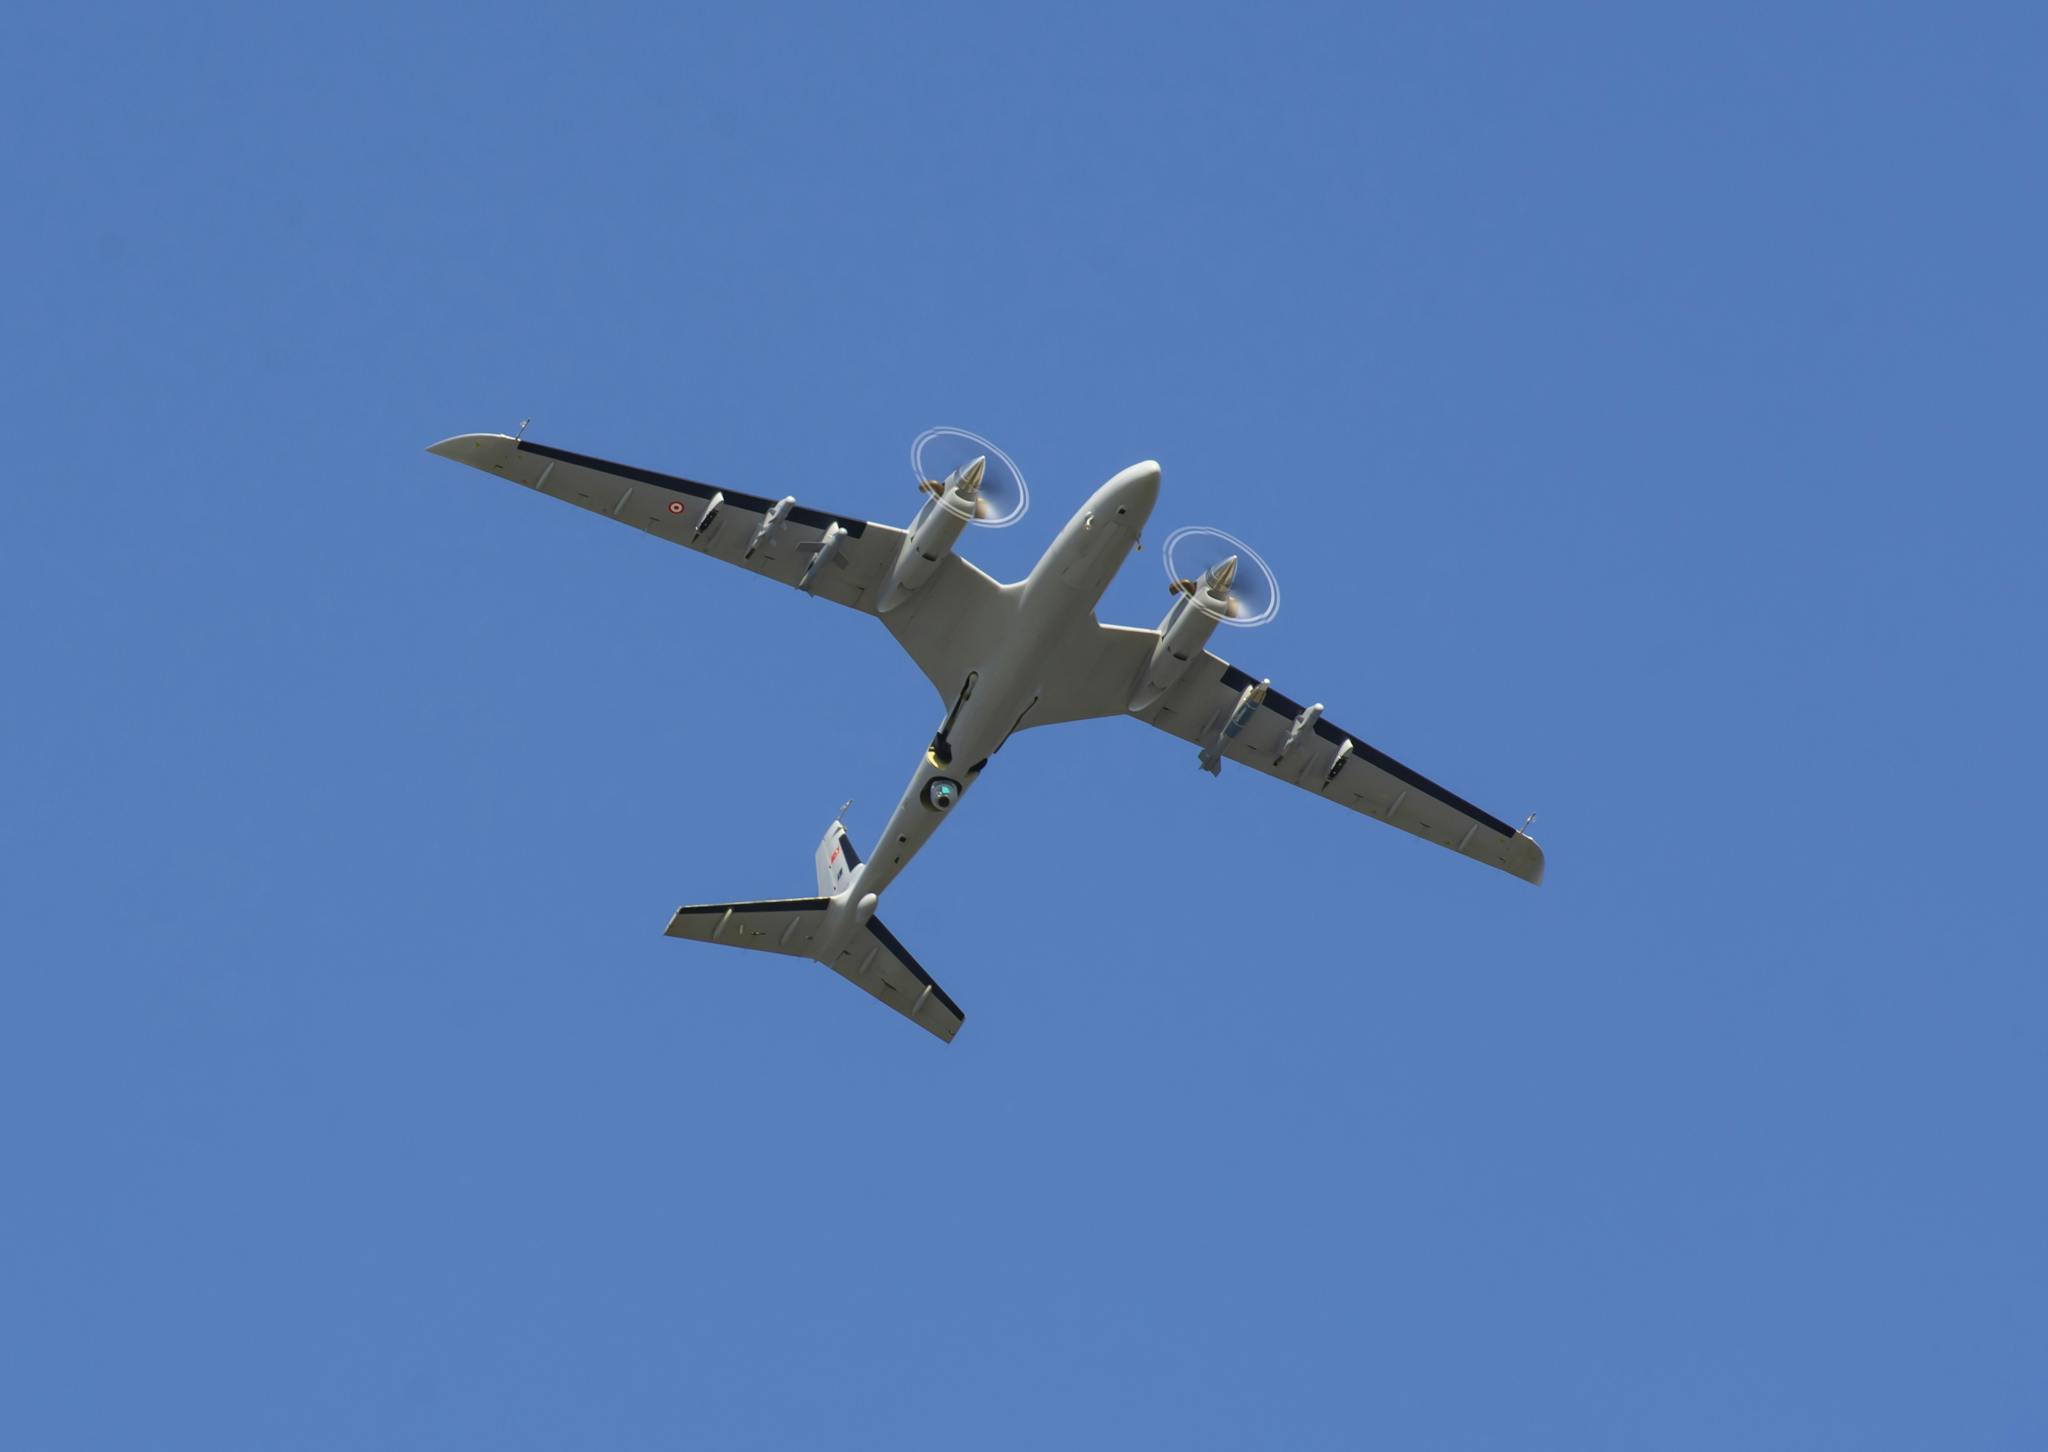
(1642, 407)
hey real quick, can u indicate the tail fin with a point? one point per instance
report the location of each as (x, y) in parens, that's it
(872, 960)
(836, 859)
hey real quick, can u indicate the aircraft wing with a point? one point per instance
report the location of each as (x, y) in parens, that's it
(949, 619)
(1366, 780)
(672, 508)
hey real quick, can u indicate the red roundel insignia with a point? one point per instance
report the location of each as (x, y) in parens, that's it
(675, 506)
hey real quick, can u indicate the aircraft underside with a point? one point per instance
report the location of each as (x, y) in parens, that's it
(1003, 658)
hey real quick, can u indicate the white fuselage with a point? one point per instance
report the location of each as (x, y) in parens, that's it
(1060, 593)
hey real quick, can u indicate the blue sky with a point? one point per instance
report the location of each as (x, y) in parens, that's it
(1642, 410)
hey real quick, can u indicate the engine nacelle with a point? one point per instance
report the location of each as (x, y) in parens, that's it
(1182, 636)
(932, 536)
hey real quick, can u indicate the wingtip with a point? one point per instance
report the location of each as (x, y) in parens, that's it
(460, 447)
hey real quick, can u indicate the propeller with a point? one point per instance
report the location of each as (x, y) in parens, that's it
(971, 477)
(1221, 574)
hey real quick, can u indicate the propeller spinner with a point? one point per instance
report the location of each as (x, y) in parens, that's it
(971, 476)
(1221, 574)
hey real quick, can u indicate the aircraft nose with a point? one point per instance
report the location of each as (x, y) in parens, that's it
(1136, 488)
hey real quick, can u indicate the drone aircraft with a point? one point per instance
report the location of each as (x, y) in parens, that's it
(1003, 658)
